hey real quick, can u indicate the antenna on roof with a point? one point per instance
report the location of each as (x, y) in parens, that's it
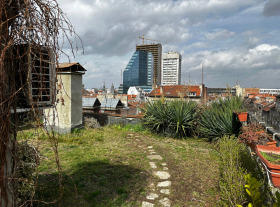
(202, 71)
(237, 81)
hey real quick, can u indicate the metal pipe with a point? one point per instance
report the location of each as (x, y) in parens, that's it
(267, 128)
(273, 136)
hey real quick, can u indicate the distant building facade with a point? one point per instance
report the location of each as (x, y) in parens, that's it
(171, 68)
(156, 50)
(139, 70)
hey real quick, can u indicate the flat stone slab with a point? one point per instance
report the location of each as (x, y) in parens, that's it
(152, 153)
(165, 168)
(164, 184)
(165, 202)
(154, 157)
(147, 204)
(163, 175)
(152, 196)
(165, 191)
(130, 135)
(163, 164)
(150, 147)
(153, 165)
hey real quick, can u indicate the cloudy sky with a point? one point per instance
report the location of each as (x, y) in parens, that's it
(237, 40)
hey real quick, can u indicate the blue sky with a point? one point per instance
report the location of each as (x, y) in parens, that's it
(237, 40)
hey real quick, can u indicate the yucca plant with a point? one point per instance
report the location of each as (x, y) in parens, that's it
(170, 117)
(218, 119)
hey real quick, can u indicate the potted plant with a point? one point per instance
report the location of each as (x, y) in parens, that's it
(255, 138)
(270, 157)
(253, 128)
(242, 114)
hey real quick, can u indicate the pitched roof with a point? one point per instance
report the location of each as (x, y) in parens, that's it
(175, 91)
(90, 102)
(70, 67)
(111, 103)
(269, 106)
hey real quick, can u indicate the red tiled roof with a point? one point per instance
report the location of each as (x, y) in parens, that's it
(175, 91)
(269, 106)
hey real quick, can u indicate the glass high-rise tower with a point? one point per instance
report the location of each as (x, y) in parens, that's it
(139, 70)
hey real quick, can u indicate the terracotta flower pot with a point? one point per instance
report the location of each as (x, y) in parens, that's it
(272, 143)
(275, 178)
(242, 116)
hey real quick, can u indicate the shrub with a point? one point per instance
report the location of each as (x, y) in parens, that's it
(232, 180)
(218, 119)
(174, 118)
(91, 123)
(26, 167)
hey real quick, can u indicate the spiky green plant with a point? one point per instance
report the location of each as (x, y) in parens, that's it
(172, 117)
(218, 119)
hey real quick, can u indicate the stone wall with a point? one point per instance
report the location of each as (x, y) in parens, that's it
(105, 119)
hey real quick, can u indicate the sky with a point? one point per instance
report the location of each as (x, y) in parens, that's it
(237, 41)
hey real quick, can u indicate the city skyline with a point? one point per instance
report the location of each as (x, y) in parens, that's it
(236, 40)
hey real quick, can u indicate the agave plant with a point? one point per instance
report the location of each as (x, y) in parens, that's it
(174, 117)
(218, 119)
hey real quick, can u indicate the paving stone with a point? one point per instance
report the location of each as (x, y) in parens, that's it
(165, 168)
(154, 157)
(152, 196)
(165, 202)
(153, 165)
(147, 204)
(162, 175)
(163, 164)
(165, 191)
(152, 186)
(150, 147)
(164, 184)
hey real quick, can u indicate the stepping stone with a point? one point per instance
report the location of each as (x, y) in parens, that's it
(151, 150)
(162, 175)
(130, 135)
(150, 147)
(152, 186)
(165, 168)
(152, 153)
(165, 202)
(165, 191)
(154, 157)
(153, 165)
(164, 184)
(152, 196)
(163, 164)
(147, 204)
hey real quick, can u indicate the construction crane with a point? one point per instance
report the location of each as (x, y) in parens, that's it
(143, 38)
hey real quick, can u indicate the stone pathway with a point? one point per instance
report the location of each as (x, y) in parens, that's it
(160, 186)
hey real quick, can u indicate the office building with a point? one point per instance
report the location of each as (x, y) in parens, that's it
(171, 68)
(138, 71)
(156, 50)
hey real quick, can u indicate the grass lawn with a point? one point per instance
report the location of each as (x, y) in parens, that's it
(105, 167)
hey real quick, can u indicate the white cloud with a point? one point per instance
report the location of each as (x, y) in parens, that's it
(220, 34)
(231, 37)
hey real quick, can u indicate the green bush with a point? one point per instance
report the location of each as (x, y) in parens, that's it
(232, 180)
(218, 119)
(174, 118)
